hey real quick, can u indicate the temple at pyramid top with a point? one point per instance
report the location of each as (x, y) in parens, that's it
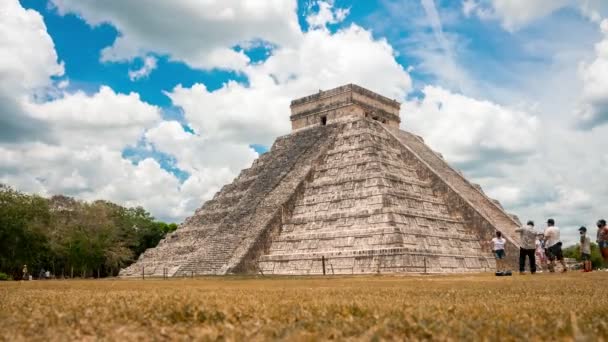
(347, 101)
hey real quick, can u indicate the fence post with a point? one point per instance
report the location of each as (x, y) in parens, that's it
(143, 273)
(323, 263)
(424, 265)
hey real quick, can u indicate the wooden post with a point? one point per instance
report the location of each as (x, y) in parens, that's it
(323, 263)
(424, 265)
(192, 274)
(143, 274)
(72, 272)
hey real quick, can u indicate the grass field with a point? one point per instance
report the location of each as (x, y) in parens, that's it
(472, 307)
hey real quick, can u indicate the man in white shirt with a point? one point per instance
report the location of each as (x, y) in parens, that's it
(553, 245)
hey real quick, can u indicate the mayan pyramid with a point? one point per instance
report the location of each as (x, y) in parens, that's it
(347, 192)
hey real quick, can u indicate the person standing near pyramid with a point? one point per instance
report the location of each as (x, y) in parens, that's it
(527, 247)
(602, 238)
(585, 249)
(554, 246)
(541, 259)
(498, 247)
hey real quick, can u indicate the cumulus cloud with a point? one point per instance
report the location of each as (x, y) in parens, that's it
(200, 154)
(325, 15)
(258, 112)
(470, 132)
(515, 14)
(200, 33)
(104, 118)
(593, 110)
(89, 132)
(24, 71)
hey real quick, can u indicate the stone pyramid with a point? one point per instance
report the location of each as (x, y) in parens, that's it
(346, 192)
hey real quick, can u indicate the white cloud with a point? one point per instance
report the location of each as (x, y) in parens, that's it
(200, 33)
(257, 113)
(27, 61)
(149, 64)
(593, 109)
(515, 14)
(470, 132)
(22, 67)
(104, 118)
(325, 15)
(201, 154)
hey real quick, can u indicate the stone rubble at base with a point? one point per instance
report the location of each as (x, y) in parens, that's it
(346, 186)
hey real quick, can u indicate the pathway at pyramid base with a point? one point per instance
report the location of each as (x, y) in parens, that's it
(365, 197)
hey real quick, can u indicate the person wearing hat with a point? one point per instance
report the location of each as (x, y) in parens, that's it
(527, 238)
(554, 246)
(585, 249)
(602, 238)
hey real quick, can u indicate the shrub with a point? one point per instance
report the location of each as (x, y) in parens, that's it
(4, 276)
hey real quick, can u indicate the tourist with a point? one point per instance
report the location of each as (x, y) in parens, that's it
(527, 247)
(585, 249)
(541, 259)
(554, 246)
(602, 238)
(498, 247)
(24, 271)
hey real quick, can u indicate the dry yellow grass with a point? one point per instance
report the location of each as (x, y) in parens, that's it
(473, 307)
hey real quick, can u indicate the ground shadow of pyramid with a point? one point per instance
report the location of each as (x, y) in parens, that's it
(347, 192)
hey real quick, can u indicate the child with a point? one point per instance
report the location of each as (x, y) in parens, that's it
(498, 247)
(585, 249)
(541, 259)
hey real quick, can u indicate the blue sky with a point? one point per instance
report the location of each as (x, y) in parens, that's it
(170, 101)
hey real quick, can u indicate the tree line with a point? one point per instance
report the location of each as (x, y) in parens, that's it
(72, 238)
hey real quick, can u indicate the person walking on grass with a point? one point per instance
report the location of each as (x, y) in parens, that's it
(527, 247)
(498, 247)
(585, 249)
(541, 259)
(554, 246)
(602, 238)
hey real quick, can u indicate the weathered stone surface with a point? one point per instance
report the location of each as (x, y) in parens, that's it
(353, 190)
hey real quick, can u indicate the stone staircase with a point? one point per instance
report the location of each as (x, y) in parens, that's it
(217, 237)
(365, 209)
(488, 208)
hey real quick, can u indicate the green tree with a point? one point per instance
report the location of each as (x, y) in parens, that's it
(22, 239)
(63, 234)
